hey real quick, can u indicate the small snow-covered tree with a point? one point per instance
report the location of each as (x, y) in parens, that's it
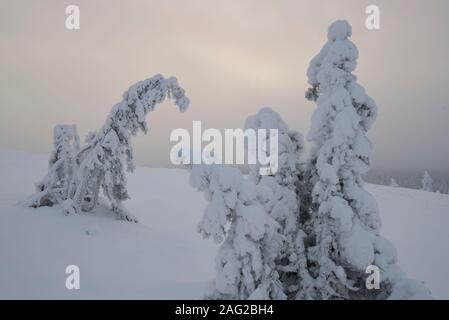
(427, 182)
(54, 187)
(393, 183)
(280, 194)
(102, 163)
(344, 224)
(249, 236)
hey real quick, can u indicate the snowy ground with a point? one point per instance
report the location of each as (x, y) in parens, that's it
(163, 256)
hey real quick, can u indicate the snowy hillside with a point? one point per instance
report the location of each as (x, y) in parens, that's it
(163, 256)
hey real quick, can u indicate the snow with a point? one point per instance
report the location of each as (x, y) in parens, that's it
(416, 222)
(163, 256)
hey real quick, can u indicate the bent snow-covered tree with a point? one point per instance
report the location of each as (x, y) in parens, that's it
(281, 193)
(344, 224)
(249, 237)
(102, 162)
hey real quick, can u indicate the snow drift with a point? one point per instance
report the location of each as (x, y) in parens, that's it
(163, 257)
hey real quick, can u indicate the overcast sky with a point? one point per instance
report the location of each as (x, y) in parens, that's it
(232, 57)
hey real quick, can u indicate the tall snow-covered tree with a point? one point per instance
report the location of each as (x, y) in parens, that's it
(427, 182)
(344, 224)
(249, 236)
(54, 187)
(102, 163)
(280, 194)
(393, 183)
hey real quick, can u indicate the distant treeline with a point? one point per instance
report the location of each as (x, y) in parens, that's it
(408, 178)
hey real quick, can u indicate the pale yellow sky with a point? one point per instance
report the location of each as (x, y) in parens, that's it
(232, 57)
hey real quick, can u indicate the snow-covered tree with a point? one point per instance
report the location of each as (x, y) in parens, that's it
(427, 182)
(54, 187)
(108, 153)
(280, 194)
(344, 224)
(249, 236)
(393, 183)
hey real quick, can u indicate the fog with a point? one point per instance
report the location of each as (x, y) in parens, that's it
(232, 57)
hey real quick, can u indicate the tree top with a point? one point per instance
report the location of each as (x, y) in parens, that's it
(339, 30)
